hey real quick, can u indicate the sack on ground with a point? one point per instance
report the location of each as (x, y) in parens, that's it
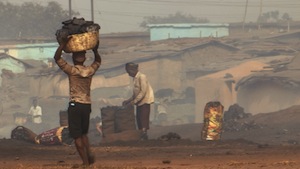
(56, 136)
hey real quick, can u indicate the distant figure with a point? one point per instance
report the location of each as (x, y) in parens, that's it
(36, 112)
(99, 128)
(161, 112)
(142, 97)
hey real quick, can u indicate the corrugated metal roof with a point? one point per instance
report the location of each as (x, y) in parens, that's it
(5, 56)
(35, 45)
(186, 25)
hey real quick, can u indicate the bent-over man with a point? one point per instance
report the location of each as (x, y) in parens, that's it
(142, 97)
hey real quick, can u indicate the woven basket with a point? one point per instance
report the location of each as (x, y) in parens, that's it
(81, 42)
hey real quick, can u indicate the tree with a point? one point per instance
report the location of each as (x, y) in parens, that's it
(31, 19)
(286, 17)
(8, 18)
(273, 16)
(178, 17)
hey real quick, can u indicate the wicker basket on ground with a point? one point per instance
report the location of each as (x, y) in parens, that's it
(82, 42)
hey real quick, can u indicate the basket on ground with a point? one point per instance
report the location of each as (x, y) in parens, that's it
(81, 42)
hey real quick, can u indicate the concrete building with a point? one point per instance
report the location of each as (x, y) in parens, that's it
(172, 31)
(37, 51)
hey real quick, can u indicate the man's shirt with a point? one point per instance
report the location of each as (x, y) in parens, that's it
(80, 79)
(36, 113)
(142, 90)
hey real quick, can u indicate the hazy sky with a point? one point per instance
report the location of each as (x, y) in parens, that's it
(126, 15)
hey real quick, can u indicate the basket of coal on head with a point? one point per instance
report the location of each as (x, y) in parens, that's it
(84, 34)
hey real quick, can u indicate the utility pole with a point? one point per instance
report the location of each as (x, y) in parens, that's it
(244, 19)
(260, 12)
(70, 9)
(92, 9)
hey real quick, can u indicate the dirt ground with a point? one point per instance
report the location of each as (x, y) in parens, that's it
(155, 155)
(272, 145)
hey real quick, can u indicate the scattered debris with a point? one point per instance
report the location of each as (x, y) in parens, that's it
(166, 161)
(170, 136)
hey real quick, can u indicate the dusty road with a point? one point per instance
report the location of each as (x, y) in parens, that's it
(154, 154)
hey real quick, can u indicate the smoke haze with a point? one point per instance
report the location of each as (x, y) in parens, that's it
(126, 15)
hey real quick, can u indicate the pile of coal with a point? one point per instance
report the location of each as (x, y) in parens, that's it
(235, 119)
(75, 26)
